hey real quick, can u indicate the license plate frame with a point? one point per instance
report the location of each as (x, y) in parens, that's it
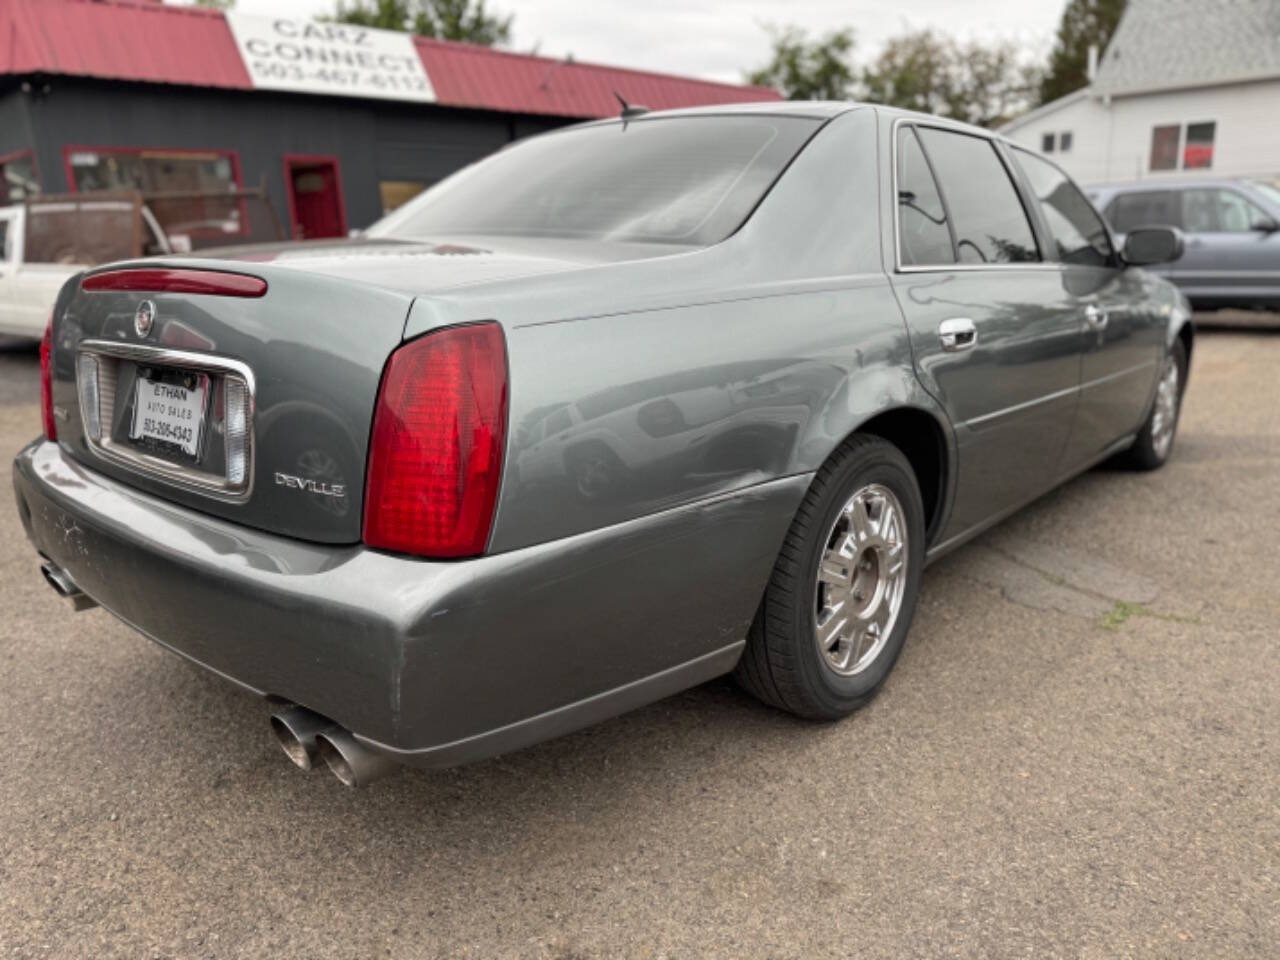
(170, 412)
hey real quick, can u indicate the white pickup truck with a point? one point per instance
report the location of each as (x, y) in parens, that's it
(47, 240)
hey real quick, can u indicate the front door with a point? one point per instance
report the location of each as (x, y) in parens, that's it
(1123, 330)
(996, 339)
(1228, 256)
(315, 198)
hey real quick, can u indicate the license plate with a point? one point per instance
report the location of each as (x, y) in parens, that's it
(170, 413)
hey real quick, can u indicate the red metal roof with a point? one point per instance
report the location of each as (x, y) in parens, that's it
(465, 75)
(142, 40)
(120, 40)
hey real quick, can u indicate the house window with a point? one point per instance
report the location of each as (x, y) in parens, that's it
(396, 193)
(1064, 141)
(1164, 146)
(1198, 152)
(18, 178)
(1046, 143)
(190, 181)
(151, 171)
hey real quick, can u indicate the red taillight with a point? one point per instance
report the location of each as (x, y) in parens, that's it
(46, 383)
(217, 283)
(435, 456)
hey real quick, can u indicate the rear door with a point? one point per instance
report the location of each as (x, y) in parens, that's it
(1123, 332)
(1228, 256)
(996, 338)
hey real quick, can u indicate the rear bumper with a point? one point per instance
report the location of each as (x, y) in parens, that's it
(437, 663)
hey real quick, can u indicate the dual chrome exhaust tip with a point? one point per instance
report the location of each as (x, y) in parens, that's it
(308, 738)
(65, 587)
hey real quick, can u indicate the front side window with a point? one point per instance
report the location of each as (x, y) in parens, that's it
(1046, 143)
(1214, 210)
(1269, 190)
(1065, 139)
(1144, 208)
(1078, 232)
(680, 180)
(988, 219)
(923, 235)
(5, 242)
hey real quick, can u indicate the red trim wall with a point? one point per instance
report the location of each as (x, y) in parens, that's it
(291, 160)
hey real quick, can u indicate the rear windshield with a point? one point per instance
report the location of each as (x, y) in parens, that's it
(678, 180)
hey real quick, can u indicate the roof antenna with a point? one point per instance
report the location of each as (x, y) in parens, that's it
(628, 111)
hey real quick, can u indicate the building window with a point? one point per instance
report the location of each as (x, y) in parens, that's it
(1064, 141)
(1198, 152)
(1196, 146)
(1164, 146)
(396, 193)
(195, 180)
(1046, 143)
(151, 171)
(18, 176)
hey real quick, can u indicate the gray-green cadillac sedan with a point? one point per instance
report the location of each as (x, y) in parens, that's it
(617, 410)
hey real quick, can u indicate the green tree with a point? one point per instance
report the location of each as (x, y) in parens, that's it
(1085, 24)
(913, 71)
(804, 70)
(990, 82)
(467, 20)
(216, 4)
(977, 82)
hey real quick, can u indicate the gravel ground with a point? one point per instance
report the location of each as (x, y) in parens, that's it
(1077, 756)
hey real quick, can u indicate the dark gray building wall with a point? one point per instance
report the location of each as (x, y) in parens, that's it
(14, 133)
(372, 139)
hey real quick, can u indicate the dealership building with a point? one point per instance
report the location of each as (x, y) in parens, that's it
(339, 124)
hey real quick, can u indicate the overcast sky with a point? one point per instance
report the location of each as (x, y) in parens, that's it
(719, 39)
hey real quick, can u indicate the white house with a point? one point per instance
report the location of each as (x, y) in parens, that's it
(1184, 85)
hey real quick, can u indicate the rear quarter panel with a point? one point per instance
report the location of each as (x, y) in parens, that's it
(680, 378)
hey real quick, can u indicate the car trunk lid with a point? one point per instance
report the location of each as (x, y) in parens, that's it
(253, 408)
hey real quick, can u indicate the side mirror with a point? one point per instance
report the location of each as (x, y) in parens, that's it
(1144, 246)
(1264, 225)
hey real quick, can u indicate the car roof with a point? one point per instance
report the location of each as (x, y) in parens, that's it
(818, 109)
(814, 109)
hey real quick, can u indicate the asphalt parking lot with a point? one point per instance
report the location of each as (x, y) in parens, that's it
(1078, 755)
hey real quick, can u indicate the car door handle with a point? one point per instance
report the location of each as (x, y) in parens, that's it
(957, 334)
(1095, 317)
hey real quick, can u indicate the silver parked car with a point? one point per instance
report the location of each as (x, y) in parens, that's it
(621, 408)
(1232, 228)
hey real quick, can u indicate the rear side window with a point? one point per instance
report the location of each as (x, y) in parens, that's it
(923, 235)
(1144, 208)
(986, 214)
(680, 180)
(1078, 231)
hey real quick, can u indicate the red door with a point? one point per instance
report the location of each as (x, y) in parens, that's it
(315, 197)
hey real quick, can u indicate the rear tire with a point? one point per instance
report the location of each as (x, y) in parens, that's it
(855, 551)
(1154, 444)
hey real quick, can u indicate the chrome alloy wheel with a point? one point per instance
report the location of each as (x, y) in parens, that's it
(862, 577)
(1165, 416)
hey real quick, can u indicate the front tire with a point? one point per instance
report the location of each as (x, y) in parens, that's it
(1154, 443)
(843, 591)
